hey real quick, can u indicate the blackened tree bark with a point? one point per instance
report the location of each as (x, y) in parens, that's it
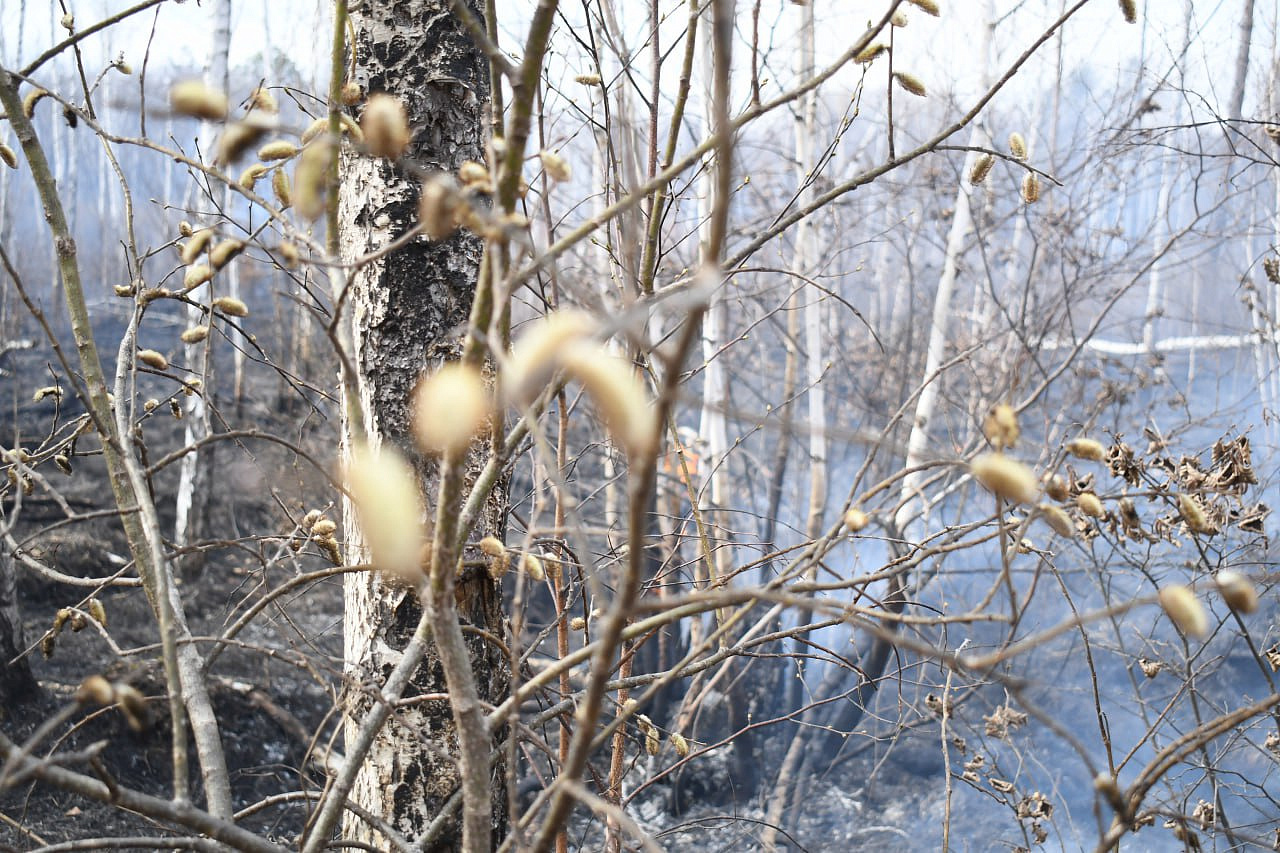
(408, 311)
(17, 684)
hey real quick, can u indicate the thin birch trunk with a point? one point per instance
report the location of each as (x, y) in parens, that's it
(1236, 105)
(195, 468)
(804, 264)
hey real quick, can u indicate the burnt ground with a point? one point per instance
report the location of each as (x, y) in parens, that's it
(265, 702)
(279, 682)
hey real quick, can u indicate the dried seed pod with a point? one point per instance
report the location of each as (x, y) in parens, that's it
(1030, 188)
(1055, 487)
(384, 489)
(153, 359)
(555, 165)
(8, 156)
(198, 242)
(323, 528)
(871, 53)
(385, 124)
(981, 168)
(499, 566)
(1194, 515)
(1237, 591)
(351, 93)
(280, 186)
(134, 707)
(1005, 477)
(438, 207)
(1001, 426)
(928, 6)
(1017, 146)
(311, 180)
(532, 566)
(1090, 505)
(450, 407)
(236, 139)
(491, 546)
(95, 690)
(332, 552)
(289, 253)
(1185, 610)
(280, 149)
(54, 391)
(538, 352)
(29, 102)
(195, 334)
(314, 129)
(1129, 9)
(618, 394)
(195, 276)
(97, 611)
(1087, 448)
(231, 306)
(1058, 519)
(652, 742)
(910, 83)
(262, 99)
(221, 254)
(194, 98)
(249, 177)
(855, 519)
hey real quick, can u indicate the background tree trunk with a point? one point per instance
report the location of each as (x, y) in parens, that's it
(17, 684)
(405, 310)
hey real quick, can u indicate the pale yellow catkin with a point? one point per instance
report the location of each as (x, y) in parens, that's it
(1030, 188)
(981, 168)
(911, 83)
(385, 125)
(1185, 610)
(1006, 477)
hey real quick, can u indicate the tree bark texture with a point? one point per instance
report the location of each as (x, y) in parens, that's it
(17, 684)
(408, 312)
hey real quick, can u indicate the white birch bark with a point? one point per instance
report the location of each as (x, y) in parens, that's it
(403, 309)
(712, 428)
(804, 263)
(193, 469)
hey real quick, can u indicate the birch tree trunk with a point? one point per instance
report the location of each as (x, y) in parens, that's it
(712, 428)
(17, 684)
(1236, 106)
(805, 258)
(194, 469)
(404, 309)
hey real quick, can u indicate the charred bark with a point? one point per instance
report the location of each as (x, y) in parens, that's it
(408, 311)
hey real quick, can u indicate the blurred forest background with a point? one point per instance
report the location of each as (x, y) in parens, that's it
(1116, 279)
